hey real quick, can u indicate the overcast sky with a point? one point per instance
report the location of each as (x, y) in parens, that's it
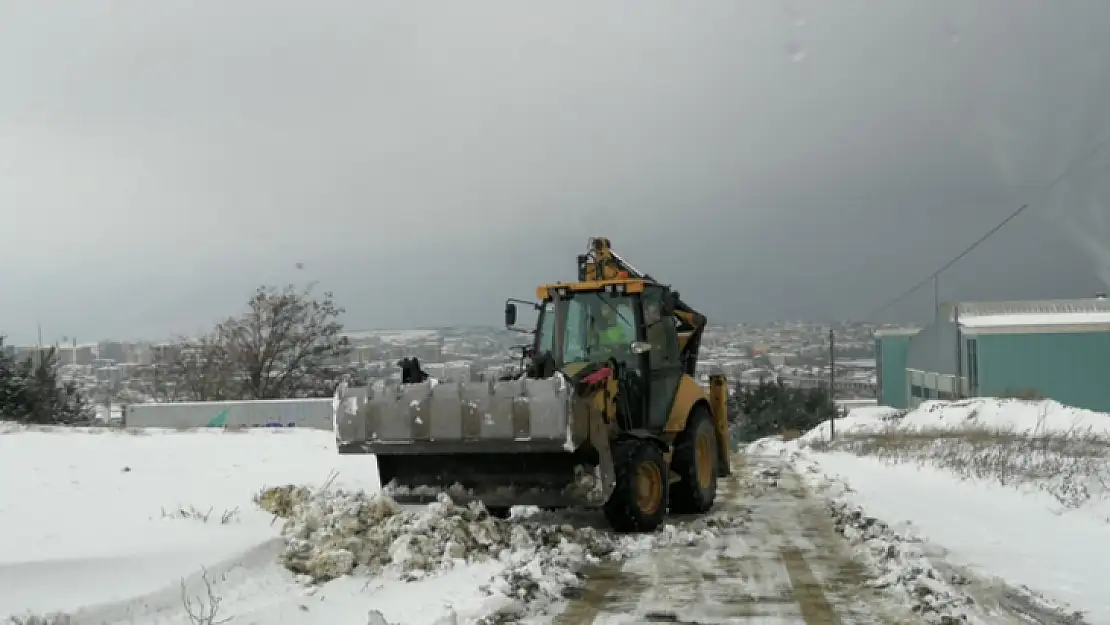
(158, 160)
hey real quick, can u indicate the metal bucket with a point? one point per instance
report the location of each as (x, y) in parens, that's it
(505, 442)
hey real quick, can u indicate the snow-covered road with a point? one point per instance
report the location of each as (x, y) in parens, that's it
(785, 565)
(791, 563)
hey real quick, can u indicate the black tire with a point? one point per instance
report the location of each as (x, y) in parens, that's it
(693, 493)
(639, 499)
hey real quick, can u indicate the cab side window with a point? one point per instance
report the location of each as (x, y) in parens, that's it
(546, 341)
(661, 332)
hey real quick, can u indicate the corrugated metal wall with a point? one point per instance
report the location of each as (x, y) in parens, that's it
(1072, 368)
(891, 351)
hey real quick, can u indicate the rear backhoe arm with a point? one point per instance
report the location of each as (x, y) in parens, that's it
(602, 263)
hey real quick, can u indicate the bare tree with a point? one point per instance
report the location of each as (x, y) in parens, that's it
(202, 369)
(287, 344)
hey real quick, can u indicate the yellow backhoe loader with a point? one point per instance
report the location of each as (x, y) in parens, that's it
(605, 411)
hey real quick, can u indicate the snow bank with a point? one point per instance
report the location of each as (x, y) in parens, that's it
(111, 514)
(331, 534)
(1013, 416)
(899, 557)
(929, 513)
(1042, 446)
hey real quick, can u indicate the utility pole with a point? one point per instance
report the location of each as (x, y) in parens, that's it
(832, 382)
(936, 324)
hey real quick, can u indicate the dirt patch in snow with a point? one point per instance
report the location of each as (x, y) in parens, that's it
(332, 533)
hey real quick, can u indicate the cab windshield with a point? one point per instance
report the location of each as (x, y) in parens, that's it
(599, 326)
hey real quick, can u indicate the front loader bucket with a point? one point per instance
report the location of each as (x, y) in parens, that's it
(506, 443)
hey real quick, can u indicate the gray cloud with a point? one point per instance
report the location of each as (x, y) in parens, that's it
(802, 159)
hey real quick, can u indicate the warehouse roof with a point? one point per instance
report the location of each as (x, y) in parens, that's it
(881, 332)
(1035, 313)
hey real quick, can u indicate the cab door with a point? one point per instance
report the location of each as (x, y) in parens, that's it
(664, 367)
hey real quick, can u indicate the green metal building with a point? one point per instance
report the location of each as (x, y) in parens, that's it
(1058, 349)
(891, 347)
(1055, 349)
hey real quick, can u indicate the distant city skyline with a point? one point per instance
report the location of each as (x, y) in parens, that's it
(67, 340)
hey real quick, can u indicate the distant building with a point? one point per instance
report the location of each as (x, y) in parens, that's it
(164, 353)
(109, 375)
(779, 359)
(76, 354)
(891, 348)
(756, 376)
(1058, 349)
(112, 350)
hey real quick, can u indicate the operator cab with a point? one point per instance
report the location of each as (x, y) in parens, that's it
(629, 322)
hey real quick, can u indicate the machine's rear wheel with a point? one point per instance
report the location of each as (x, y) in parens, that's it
(639, 499)
(695, 462)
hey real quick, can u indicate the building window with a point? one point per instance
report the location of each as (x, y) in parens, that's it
(917, 392)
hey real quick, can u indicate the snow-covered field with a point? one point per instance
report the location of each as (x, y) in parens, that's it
(982, 511)
(110, 526)
(95, 516)
(1004, 490)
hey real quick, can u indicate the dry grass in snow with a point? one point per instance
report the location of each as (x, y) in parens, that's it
(204, 516)
(41, 619)
(1069, 461)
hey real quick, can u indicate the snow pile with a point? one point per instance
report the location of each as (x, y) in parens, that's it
(1012, 416)
(586, 486)
(901, 563)
(330, 534)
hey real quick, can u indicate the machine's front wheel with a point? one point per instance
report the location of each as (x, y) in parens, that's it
(695, 462)
(639, 499)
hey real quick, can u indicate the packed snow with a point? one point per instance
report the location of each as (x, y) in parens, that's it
(1000, 488)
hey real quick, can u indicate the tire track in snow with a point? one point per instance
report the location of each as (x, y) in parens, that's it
(807, 590)
(786, 566)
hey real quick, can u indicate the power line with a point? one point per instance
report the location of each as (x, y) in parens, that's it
(1048, 189)
(948, 264)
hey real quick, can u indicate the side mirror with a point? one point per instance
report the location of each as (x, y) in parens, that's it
(639, 347)
(510, 314)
